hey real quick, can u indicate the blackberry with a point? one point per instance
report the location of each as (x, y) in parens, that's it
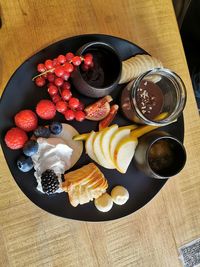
(42, 131)
(49, 181)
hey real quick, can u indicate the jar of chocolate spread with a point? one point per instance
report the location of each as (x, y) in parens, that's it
(157, 97)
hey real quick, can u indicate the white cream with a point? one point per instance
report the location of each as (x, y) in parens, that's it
(54, 154)
(120, 195)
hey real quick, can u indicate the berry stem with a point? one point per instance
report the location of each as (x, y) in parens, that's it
(41, 74)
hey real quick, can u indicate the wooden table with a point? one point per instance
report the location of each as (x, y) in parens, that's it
(150, 237)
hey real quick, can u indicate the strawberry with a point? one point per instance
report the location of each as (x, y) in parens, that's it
(15, 138)
(46, 109)
(26, 120)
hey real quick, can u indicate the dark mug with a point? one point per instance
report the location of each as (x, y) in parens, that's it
(103, 77)
(160, 155)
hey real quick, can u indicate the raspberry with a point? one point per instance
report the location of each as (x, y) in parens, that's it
(46, 109)
(26, 120)
(15, 138)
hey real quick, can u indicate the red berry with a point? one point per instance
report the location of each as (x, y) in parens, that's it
(68, 67)
(80, 106)
(58, 82)
(50, 77)
(69, 115)
(56, 98)
(92, 65)
(66, 94)
(61, 59)
(66, 85)
(65, 76)
(73, 103)
(48, 64)
(41, 67)
(40, 81)
(61, 106)
(15, 138)
(26, 120)
(76, 60)
(88, 59)
(46, 109)
(55, 62)
(69, 56)
(52, 90)
(59, 71)
(85, 67)
(79, 115)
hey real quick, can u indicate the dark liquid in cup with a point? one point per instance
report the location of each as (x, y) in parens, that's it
(149, 98)
(161, 156)
(104, 71)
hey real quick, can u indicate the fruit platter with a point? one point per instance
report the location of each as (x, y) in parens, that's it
(67, 131)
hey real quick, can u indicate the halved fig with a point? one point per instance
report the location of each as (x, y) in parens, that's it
(98, 110)
(108, 119)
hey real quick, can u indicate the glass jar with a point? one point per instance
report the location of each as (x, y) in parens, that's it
(156, 97)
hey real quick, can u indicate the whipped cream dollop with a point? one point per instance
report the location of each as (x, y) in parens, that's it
(54, 154)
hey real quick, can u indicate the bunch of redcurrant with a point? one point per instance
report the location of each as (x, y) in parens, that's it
(56, 73)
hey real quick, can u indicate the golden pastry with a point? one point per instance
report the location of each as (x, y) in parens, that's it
(84, 184)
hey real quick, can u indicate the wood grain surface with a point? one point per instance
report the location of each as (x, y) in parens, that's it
(150, 237)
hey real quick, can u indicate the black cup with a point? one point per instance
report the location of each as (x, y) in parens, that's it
(101, 79)
(160, 155)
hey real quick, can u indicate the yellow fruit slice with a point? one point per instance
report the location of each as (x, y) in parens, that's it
(81, 137)
(98, 152)
(105, 142)
(124, 153)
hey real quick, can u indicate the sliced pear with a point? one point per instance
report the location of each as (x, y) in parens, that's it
(116, 138)
(105, 141)
(98, 152)
(89, 146)
(124, 153)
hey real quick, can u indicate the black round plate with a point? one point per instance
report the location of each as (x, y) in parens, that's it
(21, 93)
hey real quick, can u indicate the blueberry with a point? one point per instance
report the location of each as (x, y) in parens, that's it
(24, 163)
(42, 131)
(55, 127)
(30, 148)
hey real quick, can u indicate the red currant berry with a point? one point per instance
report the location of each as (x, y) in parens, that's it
(56, 98)
(85, 67)
(50, 77)
(79, 115)
(55, 62)
(68, 67)
(61, 106)
(69, 115)
(65, 76)
(58, 82)
(69, 56)
(66, 94)
(66, 85)
(76, 60)
(73, 103)
(41, 67)
(88, 59)
(80, 106)
(48, 64)
(40, 81)
(61, 59)
(59, 71)
(52, 90)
